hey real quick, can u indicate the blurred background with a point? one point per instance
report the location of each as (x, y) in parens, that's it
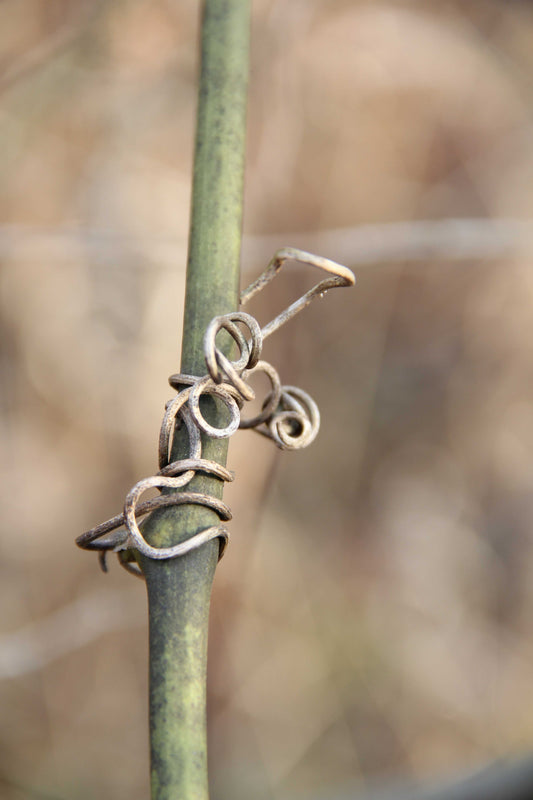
(373, 616)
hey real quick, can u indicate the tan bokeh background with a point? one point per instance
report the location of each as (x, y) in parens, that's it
(373, 616)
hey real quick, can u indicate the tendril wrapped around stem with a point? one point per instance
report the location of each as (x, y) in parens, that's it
(289, 416)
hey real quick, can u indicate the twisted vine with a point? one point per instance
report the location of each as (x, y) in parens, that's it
(289, 416)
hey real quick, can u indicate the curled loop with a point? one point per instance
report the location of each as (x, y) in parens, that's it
(219, 366)
(289, 417)
(298, 423)
(272, 399)
(223, 392)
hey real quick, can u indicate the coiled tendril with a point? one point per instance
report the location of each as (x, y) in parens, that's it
(289, 416)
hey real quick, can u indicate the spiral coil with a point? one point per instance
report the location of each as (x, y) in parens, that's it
(289, 416)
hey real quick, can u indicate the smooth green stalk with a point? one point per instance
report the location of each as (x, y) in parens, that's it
(179, 590)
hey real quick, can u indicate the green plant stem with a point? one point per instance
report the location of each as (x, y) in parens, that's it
(179, 589)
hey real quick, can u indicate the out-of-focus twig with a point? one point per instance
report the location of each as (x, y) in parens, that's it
(502, 780)
(417, 240)
(363, 245)
(55, 44)
(79, 623)
(7, 783)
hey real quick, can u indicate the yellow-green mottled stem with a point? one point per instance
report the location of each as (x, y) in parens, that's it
(179, 589)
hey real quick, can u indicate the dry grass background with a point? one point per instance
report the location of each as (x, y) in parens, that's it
(374, 613)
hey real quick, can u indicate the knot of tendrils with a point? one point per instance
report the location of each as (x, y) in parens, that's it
(288, 416)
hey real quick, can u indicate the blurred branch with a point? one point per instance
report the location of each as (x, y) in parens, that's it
(51, 47)
(22, 789)
(364, 245)
(36, 645)
(420, 240)
(499, 781)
